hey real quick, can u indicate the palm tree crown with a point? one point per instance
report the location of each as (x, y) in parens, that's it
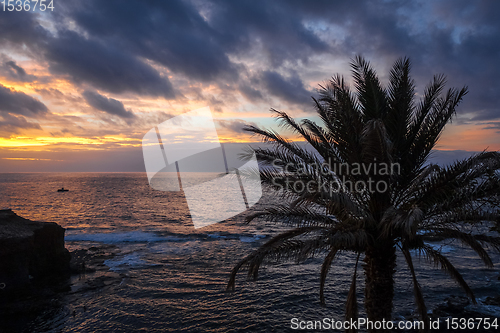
(367, 186)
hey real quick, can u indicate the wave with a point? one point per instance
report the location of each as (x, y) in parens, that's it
(123, 237)
(217, 236)
(490, 310)
(254, 238)
(152, 237)
(123, 263)
(443, 248)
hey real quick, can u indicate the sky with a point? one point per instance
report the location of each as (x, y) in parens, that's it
(82, 84)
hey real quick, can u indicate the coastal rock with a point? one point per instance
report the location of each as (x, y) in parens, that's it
(453, 306)
(31, 253)
(492, 300)
(90, 260)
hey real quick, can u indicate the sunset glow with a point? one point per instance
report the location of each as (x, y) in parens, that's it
(67, 86)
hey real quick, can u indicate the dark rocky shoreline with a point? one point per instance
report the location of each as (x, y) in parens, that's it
(38, 275)
(31, 254)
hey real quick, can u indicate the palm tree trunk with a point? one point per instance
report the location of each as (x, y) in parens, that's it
(379, 266)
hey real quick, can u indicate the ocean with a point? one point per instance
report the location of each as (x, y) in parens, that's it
(172, 277)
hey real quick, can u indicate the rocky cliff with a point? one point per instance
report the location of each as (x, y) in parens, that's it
(30, 253)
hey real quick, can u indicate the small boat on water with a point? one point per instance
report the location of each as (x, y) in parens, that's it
(62, 189)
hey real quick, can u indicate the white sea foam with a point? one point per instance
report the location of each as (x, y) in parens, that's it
(490, 310)
(254, 238)
(125, 262)
(215, 236)
(442, 248)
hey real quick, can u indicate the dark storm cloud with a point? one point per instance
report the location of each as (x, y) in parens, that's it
(457, 39)
(172, 33)
(467, 51)
(211, 41)
(21, 28)
(197, 38)
(250, 93)
(15, 72)
(104, 67)
(289, 89)
(108, 105)
(14, 105)
(16, 102)
(275, 26)
(18, 70)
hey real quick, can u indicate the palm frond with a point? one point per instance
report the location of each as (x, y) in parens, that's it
(352, 301)
(371, 95)
(417, 291)
(275, 138)
(471, 240)
(401, 222)
(325, 267)
(444, 183)
(295, 217)
(440, 260)
(255, 259)
(433, 124)
(400, 93)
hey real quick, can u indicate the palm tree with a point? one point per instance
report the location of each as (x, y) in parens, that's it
(364, 129)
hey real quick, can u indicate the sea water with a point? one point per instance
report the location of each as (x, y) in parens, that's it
(174, 276)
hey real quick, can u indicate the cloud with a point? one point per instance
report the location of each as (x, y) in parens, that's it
(140, 48)
(18, 70)
(250, 93)
(493, 125)
(171, 33)
(198, 39)
(187, 37)
(21, 29)
(12, 124)
(13, 71)
(235, 125)
(488, 114)
(16, 102)
(104, 67)
(274, 27)
(215, 104)
(108, 105)
(290, 89)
